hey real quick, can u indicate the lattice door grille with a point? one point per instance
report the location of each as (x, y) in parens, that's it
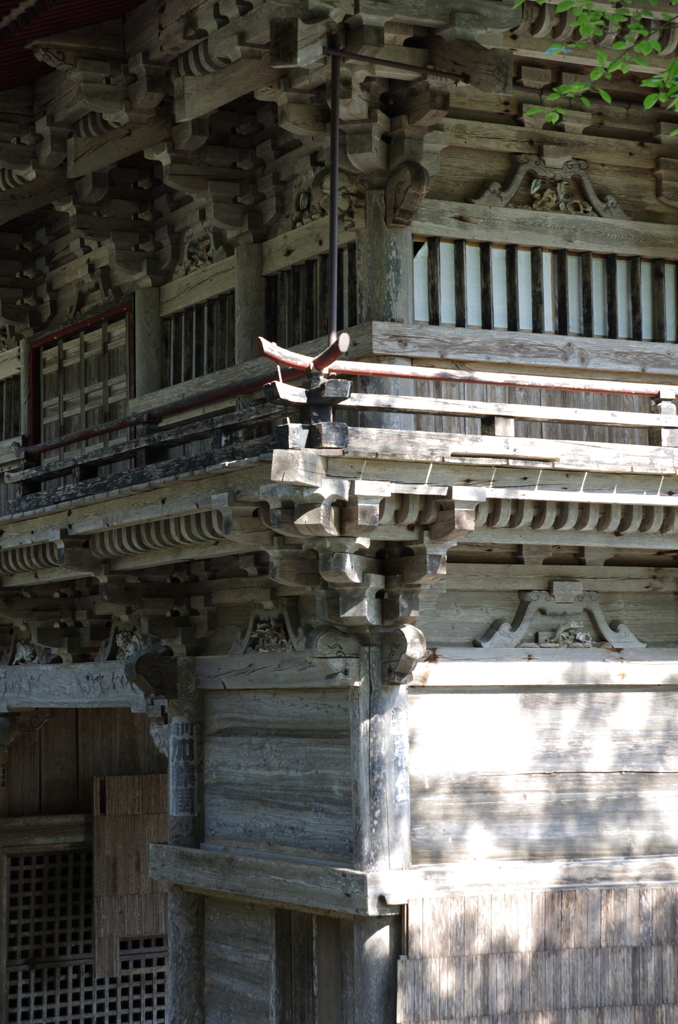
(50, 906)
(50, 971)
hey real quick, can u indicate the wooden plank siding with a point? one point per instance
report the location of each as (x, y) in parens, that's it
(50, 771)
(278, 771)
(542, 957)
(544, 775)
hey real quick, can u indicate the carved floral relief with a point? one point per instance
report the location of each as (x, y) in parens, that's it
(559, 184)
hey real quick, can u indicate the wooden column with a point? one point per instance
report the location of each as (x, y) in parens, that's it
(385, 291)
(185, 938)
(147, 341)
(25, 386)
(372, 947)
(379, 740)
(250, 307)
(389, 772)
(185, 910)
(384, 267)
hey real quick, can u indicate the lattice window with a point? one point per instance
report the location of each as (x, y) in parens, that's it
(50, 906)
(84, 379)
(50, 975)
(199, 340)
(514, 288)
(70, 994)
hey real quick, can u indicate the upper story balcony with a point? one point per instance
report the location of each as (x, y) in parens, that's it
(525, 397)
(380, 463)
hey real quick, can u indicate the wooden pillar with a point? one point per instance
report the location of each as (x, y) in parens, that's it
(379, 738)
(385, 284)
(185, 910)
(186, 971)
(147, 341)
(384, 267)
(250, 308)
(379, 754)
(185, 759)
(25, 387)
(370, 950)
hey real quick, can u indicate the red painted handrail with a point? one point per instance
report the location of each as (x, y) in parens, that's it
(329, 362)
(344, 367)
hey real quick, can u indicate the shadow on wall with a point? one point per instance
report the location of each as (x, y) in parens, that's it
(544, 777)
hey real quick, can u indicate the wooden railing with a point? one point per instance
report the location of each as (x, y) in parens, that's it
(509, 287)
(328, 414)
(156, 453)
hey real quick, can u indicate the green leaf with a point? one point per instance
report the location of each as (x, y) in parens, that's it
(597, 73)
(605, 95)
(650, 100)
(534, 110)
(564, 5)
(586, 101)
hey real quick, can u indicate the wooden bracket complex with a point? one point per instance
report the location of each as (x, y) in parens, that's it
(154, 670)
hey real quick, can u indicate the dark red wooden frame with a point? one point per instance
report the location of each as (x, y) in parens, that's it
(69, 331)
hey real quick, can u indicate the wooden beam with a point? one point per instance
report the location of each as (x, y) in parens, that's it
(491, 137)
(88, 155)
(87, 685)
(305, 243)
(289, 670)
(436, 882)
(567, 354)
(427, 446)
(477, 223)
(198, 286)
(465, 670)
(460, 407)
(283, 882)
(44, 829)
(196, 95)
(608, 579)
(46, 188)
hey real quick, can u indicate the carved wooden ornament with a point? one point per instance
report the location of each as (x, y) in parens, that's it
(549, 190)
(401, 650)
(568, 600)
(154, 671)
(404, 192)
(336, 654)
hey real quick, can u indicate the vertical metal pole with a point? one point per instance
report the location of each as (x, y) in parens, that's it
(332, 305)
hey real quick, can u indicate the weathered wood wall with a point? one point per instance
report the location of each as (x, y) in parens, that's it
(278, 771)
(586, 956)
(239, 962)
(50, 771)
(544, 775)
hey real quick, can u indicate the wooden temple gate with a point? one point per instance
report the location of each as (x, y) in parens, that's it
(337, 675)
